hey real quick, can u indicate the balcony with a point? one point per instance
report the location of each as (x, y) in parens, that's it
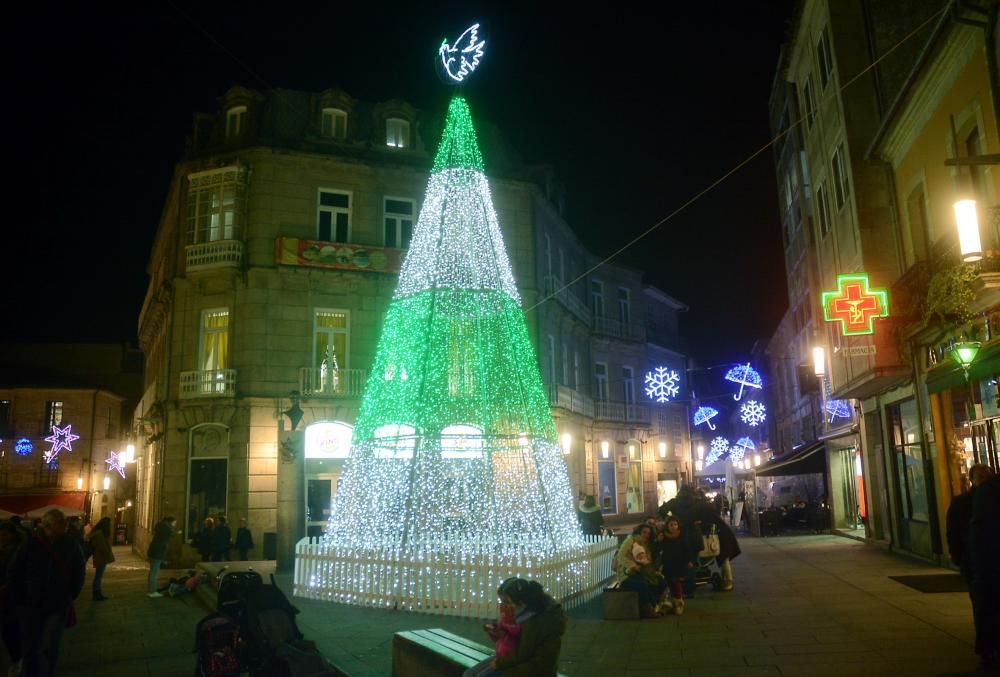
(209, 383)
(622, 412)
(316, 382)
(564, 295)
(570, 400)
(608, 326)
(215, 254)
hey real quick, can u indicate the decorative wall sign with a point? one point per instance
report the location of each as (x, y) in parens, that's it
(855, 305)
(61, 438)
(857, 351)
(661, 384)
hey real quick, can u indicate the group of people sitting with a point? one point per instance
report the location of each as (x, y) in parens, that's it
(659, 560)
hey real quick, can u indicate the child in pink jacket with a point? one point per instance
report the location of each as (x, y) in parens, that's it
(506, 633)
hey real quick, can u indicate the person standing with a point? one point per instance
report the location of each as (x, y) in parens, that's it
(244, 539)
(100, 544)
(984, 549)
(10, 540)
(223, 541)
(157, 551)
(204, 541)
(590, 517)
(46, 574)
(958, 525)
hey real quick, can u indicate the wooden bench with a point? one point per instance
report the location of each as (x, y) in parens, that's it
(620, 605)
(434, 652)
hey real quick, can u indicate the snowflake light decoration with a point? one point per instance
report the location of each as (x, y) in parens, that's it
(662, 384)
(753, 413)
(837, 409)
(740, 448)
(61, 438)
(716, 449)
(705, 415)
(114, 461)
(746, 376)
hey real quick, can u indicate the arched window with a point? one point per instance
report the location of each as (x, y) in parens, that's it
(462, 441)
(395, 440)
(328, 439)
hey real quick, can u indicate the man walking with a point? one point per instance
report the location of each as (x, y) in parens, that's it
(157, 552)
(45, 576)
(984, 549)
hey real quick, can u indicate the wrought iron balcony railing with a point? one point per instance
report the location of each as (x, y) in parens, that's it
(209, 383)
(319, 382)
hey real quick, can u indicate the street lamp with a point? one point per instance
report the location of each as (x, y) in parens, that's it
(567, 443)
(968, 230)
(964, 352)
(819, 361)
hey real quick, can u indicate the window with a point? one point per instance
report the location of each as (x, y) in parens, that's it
(552, 360)
(53, 415)
(334, 124)
(461, 441)
(330, 339)
(562, 265)
(216, 204)
(397, 133)
(398, 222)
(973, 147)
(916, 212)
(208, 487)
(824, 58)
(576, 370)
(334, 216)
(628, 385)
(823, 207)
(606, 486)
(841, 186)
(601, 382)
(548, 255)
(624, 307)
(809, 103)
(213, 352)
(565, 364)
(6, 429)
(910, 463)
(633, 487)
(597, 298)
(235, 121)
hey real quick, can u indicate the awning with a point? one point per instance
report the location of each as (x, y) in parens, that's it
(36, 505)
(810, 459)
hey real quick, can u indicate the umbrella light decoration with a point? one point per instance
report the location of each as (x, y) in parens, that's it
(705, 415)
(716, 449)
(740, 448)
(746, 376)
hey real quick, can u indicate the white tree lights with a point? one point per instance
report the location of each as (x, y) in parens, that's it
(456, 479)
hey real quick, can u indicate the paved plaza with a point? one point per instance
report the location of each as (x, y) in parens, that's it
(803, 605)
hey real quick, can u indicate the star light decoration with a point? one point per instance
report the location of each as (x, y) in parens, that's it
(753, 413)
(662, 384)
(740, 448)
(61, 438)
(458, 461)
(716, 448)
(746, 376)
(115, 464)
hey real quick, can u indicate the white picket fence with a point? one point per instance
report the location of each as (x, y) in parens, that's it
(448, 579)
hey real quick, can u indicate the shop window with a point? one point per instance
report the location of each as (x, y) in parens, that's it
(208, 482)
(633, 488)
(606, 489)
(909, 457)
(461, 442)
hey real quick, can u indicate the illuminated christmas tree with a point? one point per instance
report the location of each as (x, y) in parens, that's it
(455, 479)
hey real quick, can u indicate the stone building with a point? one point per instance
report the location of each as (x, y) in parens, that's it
(274, 260)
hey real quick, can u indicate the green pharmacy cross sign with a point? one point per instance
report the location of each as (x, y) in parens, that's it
(855, 305)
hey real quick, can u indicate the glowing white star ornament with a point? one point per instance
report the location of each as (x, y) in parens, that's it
(61, 438)
(115, 463)
(459, 61)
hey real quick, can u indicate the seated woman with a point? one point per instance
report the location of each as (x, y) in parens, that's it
(542, 624)
(634, 571)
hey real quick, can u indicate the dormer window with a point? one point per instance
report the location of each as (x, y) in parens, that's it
(334, 124)
(397, 133)
(235, 121)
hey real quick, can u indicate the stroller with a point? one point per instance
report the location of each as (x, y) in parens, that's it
(707, 570)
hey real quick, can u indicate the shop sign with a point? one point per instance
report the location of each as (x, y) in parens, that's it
(855, 305)
(328, 440)
(290, 251)
(857, 351)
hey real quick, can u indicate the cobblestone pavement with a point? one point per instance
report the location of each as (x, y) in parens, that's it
(803, 605)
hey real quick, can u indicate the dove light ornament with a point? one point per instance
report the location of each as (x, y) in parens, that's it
(459, 60)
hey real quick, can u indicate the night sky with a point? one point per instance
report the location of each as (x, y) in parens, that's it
(637, 111)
